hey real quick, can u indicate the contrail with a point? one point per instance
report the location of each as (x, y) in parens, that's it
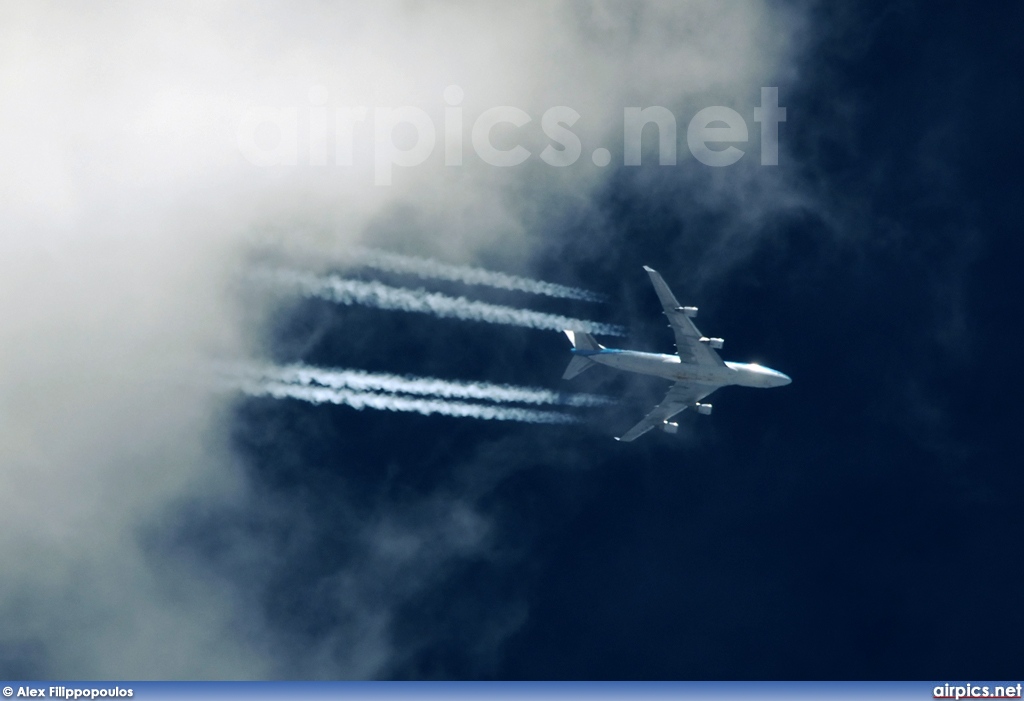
(432, 269)
(381, 296)
(390, 402)
(361, 381)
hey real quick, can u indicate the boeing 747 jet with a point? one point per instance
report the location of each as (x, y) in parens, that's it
(696, 368)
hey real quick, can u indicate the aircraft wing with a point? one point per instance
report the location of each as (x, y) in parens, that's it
(680, 396)
(688, 344)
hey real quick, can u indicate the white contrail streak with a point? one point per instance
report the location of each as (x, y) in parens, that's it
(432, 269)
(362, 381)
(381, 296)
(390, 402)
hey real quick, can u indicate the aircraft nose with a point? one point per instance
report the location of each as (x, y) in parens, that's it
(784, 379)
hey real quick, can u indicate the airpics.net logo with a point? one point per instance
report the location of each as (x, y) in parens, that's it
(977, 691)
(407, 136)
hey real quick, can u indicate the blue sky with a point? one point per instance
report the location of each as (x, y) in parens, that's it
(861, 523)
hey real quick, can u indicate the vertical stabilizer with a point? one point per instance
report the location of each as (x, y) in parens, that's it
(583, 342)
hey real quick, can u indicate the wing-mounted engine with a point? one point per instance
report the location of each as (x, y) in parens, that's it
(691, 345)
(670, 427)
(704, 409)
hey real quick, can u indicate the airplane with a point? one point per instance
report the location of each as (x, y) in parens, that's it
(696, 368)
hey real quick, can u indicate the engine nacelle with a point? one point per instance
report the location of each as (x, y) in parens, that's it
(713, 342)
(688, 311)
(703, 408)
(670, 427)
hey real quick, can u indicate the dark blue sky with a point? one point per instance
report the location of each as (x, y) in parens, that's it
(865, 522)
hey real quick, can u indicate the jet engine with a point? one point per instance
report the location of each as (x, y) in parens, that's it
(713, 342)
(703, 408)
(688, 311)
(670, 427)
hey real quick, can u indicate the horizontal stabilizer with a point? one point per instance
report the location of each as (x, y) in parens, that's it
(577, 365)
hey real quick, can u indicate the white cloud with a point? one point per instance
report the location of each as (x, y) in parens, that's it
(128, 205)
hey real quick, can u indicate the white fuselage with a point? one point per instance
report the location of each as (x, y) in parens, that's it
(671, 367)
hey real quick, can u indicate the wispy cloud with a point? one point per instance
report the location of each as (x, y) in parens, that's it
(362, 381)
(127, 209)
(432, 269)
(376, 294)
(392, 402)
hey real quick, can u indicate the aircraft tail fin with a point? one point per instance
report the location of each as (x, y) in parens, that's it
(584, 342)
